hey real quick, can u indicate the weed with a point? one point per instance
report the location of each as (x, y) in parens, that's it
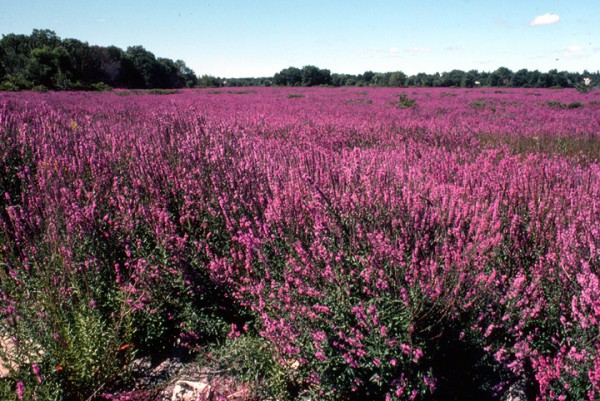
(404, 102)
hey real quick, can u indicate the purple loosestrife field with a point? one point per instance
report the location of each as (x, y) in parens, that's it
(349, 244)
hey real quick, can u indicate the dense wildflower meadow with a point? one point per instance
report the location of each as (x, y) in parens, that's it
(314, 243)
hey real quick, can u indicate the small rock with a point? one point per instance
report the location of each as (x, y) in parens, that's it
(185, 390)
(6, 347)
(8, 351)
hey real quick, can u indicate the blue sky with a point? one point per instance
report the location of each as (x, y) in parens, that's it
(240, 38)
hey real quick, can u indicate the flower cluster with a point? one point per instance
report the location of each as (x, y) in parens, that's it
(355, 234)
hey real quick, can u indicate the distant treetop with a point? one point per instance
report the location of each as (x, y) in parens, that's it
(42, 61)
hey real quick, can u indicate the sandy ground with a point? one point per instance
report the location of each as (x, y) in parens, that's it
(6, 347)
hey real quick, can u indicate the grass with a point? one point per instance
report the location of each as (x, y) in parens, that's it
(359, 101)
(587, 148)
(232, 92)
(148, 92)
(404, 102)
(561, 105)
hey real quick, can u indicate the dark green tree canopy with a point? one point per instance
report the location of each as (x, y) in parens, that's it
(44, 60)
(309, 75)
(502, 77)
(291, 76)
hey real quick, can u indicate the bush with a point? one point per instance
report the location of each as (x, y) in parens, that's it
(404, 102)
(13, 83)
(39, 88)
(9, 86)
(571, 105)
(101, 87)
(584, 88)
(574, 105)
(251, 359)
(163, 91)
(478, 105)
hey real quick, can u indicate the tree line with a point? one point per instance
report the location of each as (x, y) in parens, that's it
(42, 60)
(501, 77)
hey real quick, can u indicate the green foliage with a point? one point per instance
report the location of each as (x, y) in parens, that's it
(45, 66)
(163, 92)
(39, 88)
(478, 105)
(309, 75)
(359, 101)
(501, 77)
(44, 59)
(209, 81)
(101, 87)
(586, 148)
(235, 92)
(81, 342)
(93, 351)
(561, 105)
(291, 76)
(16, 83)
(32, 390)
(251, 359)
(583, 88)
(9, 86)
(404, 102)
(397, 78)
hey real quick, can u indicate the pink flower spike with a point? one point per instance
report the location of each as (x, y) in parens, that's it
(37, 371)
(20, 390)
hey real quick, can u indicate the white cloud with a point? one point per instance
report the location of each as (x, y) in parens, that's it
(418, 50)
(574, 49)
(546, 19)
(393, 50)
(575, 52)
(456, 48)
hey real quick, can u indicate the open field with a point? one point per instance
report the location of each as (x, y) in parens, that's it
(332, 244)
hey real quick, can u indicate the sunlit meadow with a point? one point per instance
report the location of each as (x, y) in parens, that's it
(349, 243)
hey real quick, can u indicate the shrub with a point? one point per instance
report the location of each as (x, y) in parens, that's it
(574, 105)
(9, 86)
(39, 88)
(571, 105)
(101, 87)
(404, 102)
(163, 91)
(584, 87)
(478, 105)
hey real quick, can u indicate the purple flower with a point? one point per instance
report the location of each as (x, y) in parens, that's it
(37, 372)
(20, 390)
